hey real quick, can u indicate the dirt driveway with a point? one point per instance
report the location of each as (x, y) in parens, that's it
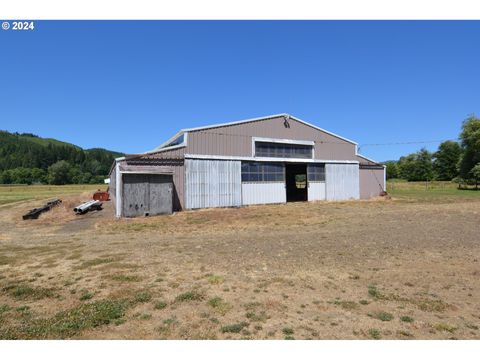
(387, 269)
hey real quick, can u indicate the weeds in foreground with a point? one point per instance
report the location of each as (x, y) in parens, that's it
(234, 328)
(407, 319)
(374, 292)
(159, 305)
(27, 292)
(68, 323)
(374, 333)
(445, 327)
(257, 317)
(168, 325)
(143, 297)
(381, 315)
(220, 306)
(86, 295)
(190, 296)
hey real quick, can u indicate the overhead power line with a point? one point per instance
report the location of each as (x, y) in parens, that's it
(406, 143)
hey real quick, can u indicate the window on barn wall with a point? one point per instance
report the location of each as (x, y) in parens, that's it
(178, 141)
(283, 150)
(262, 172)
(316, 172)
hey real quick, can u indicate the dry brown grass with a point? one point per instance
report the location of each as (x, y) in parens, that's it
(265, 272)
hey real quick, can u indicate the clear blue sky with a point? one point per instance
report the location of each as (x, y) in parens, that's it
(130, 85)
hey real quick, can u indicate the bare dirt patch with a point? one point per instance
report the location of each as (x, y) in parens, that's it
(355, 270)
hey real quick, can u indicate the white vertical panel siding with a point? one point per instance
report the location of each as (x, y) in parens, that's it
(263, 193)
(212, 183)
(342, 181)
(316, 190)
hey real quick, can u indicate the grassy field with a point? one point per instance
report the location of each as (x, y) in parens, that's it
(398, 268)
(434, 191)
(15, 193)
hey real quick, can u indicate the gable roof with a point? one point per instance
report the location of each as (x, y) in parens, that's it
(266, 118)
(238, 122)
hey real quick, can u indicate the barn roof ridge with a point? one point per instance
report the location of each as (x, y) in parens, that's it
(261, 118)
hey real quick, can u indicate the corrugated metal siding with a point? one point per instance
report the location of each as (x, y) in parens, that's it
(342, 181)
(316, 191)
(236, 140)
(371, 182)
(113, 184)
(212, 183)
(263, 193)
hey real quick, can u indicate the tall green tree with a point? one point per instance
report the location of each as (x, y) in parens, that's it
(59, 173)
(446, 158)
(470, 142)
(417, 166)
(392, 169)
(475, 172)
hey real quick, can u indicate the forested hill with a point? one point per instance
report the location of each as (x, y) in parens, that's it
(28, 158)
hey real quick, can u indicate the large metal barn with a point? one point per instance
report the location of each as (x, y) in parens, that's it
(273, 159)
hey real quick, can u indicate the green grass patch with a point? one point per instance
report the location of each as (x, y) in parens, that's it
(406, 319)
(374, 292)
(71, 322)
(287, 331)
(160, 305)
(27, 292)
(190, 296)
(143, 297)
(434, 191)
(381, 315)
(234, 328)
(10, 194)
(220, 306)
(86, 295)
(374, 333)
(4, 308)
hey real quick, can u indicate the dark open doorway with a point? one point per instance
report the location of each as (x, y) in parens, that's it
(296, 182)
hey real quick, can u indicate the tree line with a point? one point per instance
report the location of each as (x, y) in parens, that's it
(454, 160)
(28, 159)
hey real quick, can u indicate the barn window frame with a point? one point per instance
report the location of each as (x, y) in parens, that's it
(316, 172)
(255, 172)
(283, 148)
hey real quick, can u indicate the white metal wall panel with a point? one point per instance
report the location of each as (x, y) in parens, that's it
(316, 191)
(342, 181)
(263, 193)
(212, 183)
